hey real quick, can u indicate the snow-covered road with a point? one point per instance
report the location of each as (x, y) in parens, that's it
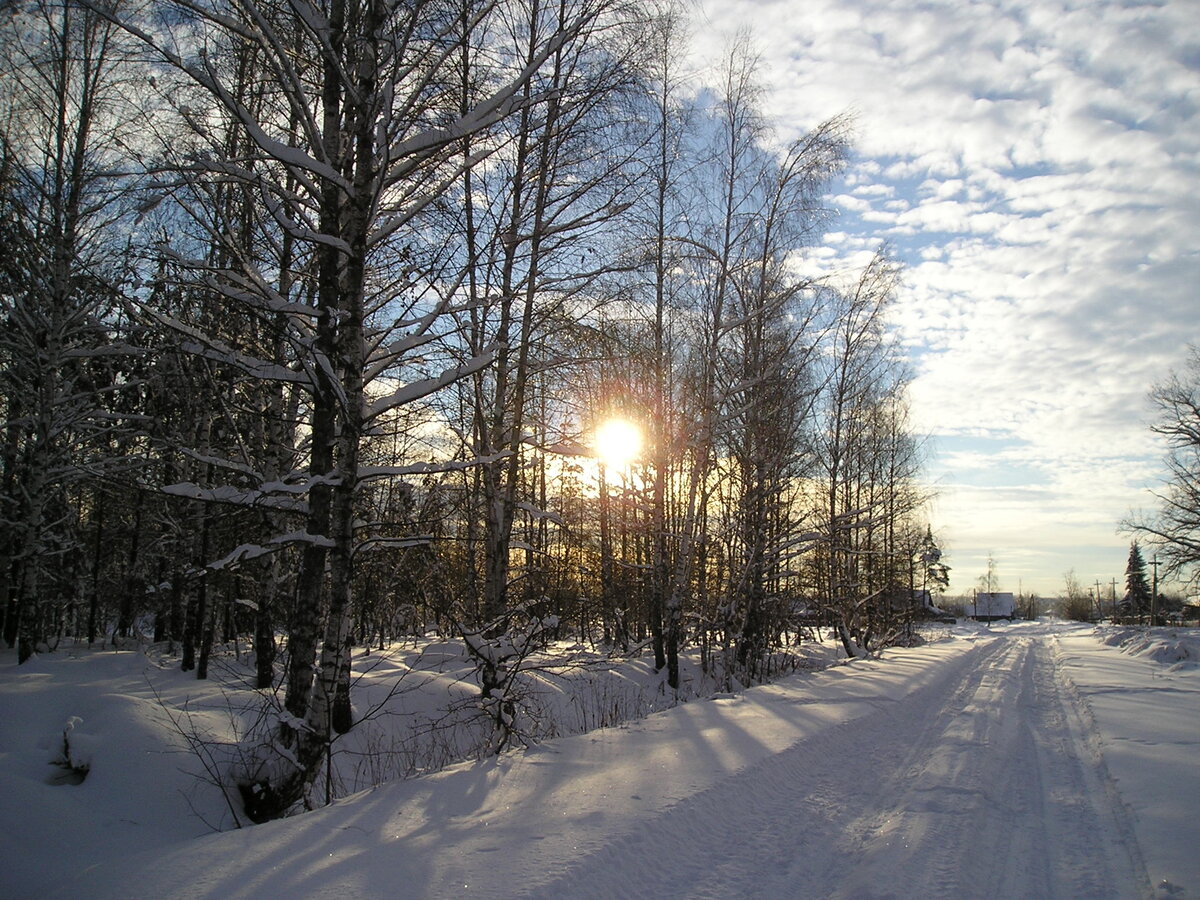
(1034, 761)
(985, 783)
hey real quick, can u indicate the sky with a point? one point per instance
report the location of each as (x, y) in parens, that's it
(1035, 165)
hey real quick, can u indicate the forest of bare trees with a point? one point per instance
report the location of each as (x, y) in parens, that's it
(310, 309)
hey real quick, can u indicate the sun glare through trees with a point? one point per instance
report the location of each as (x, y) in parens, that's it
(618, 442)
(326, 320)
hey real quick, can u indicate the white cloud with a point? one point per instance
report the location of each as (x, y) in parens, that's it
(1037, 165)
(874, 189)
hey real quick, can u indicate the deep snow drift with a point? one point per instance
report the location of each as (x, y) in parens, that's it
(1048, 760)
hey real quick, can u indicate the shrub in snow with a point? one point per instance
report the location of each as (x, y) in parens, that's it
(262, 761)
(75, 757)
(500, 653)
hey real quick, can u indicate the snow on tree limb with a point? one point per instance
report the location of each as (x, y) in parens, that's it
(430, 468)
(539, 513)
(267, 496)
(423, 388)
(248, 552)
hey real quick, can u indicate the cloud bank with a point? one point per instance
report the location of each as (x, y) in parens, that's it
(1036, 165)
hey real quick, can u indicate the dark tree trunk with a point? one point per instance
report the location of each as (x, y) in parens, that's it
(264, 631)
(175, 623)
(97, 555)
(205, 626)
(133, 584)
(188, 661)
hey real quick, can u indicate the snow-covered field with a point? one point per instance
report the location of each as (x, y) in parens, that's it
(1032, 760)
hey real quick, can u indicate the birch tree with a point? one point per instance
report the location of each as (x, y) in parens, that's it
(721, 200)
(771, 393)
(536, 231)
(63, 277)
(752, 212)
(665, 171)
(855, 380)
(351, 148)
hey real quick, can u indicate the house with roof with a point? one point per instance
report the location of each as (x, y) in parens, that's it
(988, 606)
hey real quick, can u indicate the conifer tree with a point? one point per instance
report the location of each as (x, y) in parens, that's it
(935, 575)
(1137, 592)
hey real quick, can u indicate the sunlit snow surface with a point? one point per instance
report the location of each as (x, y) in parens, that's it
(1033, 760)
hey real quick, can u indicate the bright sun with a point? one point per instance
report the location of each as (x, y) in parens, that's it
(618, 441)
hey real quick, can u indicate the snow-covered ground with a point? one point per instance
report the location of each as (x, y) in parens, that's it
(1032, 760)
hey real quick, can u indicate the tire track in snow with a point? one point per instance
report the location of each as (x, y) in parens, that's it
(1121, 840)
(1023, 811)
(978, 785)
(768, 829)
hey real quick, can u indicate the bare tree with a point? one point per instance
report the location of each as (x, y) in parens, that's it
(538, 231)
(665, 214)
(1175, 530)
(63, 278)
(856, 382)
(1075, 602)
(772, 392)
(347, 153)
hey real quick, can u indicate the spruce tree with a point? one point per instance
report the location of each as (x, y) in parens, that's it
(935, 573)
(1137, 592)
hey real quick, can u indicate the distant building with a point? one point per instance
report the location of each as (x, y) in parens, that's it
(992, 605)
(1191, 610)
(919, 603)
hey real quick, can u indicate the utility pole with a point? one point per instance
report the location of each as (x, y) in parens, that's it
(1100, 603)
(1114, 596)
(1154, 590)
